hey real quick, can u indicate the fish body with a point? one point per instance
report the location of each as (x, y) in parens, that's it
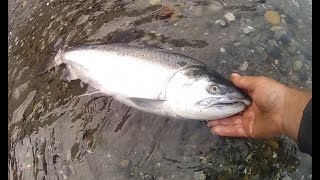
(153, 80)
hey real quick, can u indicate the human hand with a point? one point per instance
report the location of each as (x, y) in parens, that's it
(275, 110)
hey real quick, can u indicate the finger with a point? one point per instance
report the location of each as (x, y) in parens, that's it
(229, 131)
(233, 120)
(244, 82)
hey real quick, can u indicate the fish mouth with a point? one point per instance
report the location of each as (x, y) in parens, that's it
(245, 102)
(235, 103)
(207, 103)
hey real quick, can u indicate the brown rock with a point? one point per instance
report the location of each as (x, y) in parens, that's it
(273, 18)
(124, 163)
(273, 145)
(166, 11)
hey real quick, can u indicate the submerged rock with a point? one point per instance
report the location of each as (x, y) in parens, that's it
(229, 16)
(273, 18)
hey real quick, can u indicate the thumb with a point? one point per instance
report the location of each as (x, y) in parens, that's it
(244, 82)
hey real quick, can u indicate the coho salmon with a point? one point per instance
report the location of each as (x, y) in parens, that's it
(153, 80)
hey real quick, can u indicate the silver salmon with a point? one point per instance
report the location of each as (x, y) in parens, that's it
(153, 80)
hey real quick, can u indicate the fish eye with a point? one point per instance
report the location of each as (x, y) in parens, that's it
(214, 88)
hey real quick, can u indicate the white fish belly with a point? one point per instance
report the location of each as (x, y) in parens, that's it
(119, 74)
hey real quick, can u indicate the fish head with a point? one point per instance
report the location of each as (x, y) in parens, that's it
(201, 93)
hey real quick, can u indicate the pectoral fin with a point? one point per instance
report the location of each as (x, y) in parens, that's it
(147, 103)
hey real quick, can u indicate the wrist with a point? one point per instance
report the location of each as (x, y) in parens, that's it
(295, 103)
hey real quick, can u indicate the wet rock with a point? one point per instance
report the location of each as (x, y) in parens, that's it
(274, 155)
(306, 66)
(24, 4)
(246, 177)
(222, 23)
(292, 49)
(273, 18)
(199, 175)
(145, 38)
(236, 43)
(154, 2)
(272, 42)
(278, 34)
(244, 66)
(248, 29)
(283, 80)
(166, 11)
(275, 52)
(222, 50)
(287, 178)
(297, 65)
(308, 83)
(124, 163)
(198, 11)
(245, 41)
(273, 145)
(257, 38)
(215, 6)
(249, 157)
(285, 39)
(82, 20)
(229, 16)
(174, 17)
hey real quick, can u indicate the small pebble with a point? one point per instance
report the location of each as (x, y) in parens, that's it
(24, 4)
(229, 16)
(215, 7)
(287, 178)
(274, 155)
(124, 163)
(174, 18)
(275, 52)
(273, 145)
(248, 29)
(244, 66)
(222, 23)
(276, 62)
(199, 175)
(278, 34)
(154, 2)
(306, 66)
(249, 157)
(222, 50)
(236, 43)
(297, 65)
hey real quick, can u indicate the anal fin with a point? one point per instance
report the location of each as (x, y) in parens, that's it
(90, 91)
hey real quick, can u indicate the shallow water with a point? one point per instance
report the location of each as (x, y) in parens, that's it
(54, 134)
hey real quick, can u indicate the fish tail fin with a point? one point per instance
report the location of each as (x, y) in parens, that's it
(52, 62)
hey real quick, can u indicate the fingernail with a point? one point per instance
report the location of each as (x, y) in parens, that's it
(234, 75)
